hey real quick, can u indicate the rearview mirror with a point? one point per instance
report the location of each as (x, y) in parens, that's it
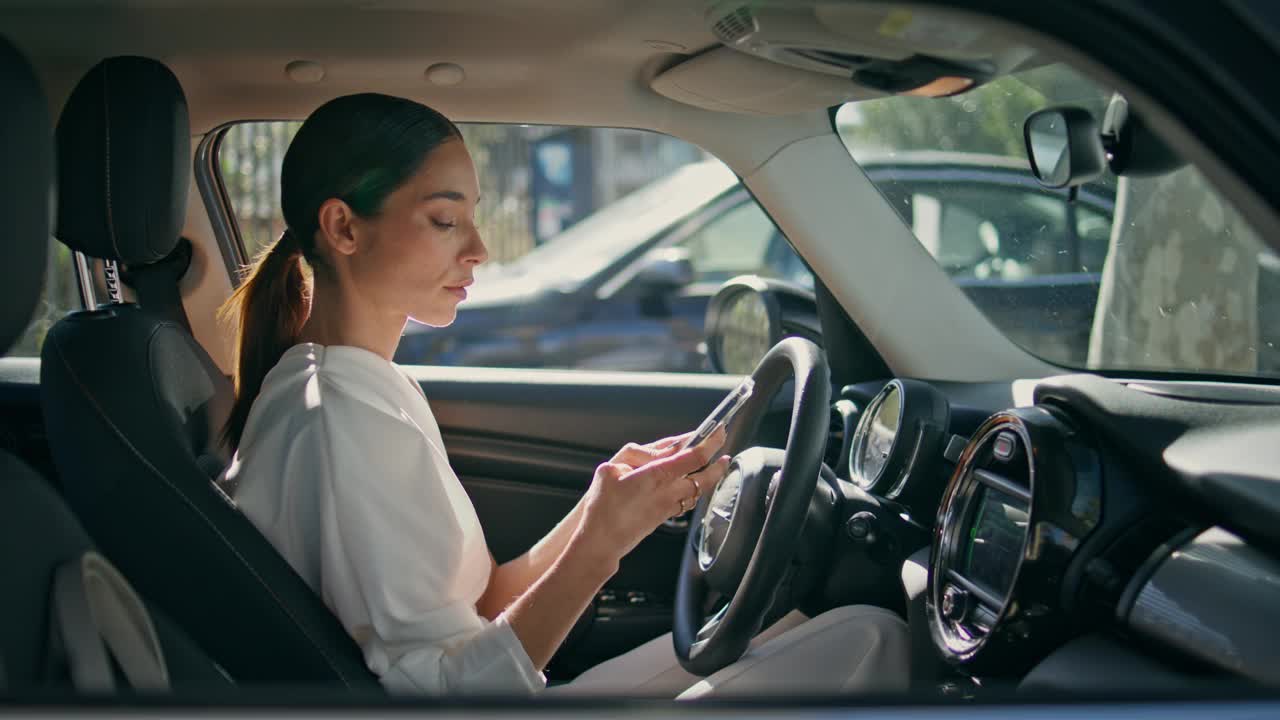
(1133, 148)
(1064, 146)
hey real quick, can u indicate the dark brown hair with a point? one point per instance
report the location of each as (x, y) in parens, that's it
(358, 149)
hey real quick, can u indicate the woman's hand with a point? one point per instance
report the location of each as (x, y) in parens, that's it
(642, 485)
(630, 495)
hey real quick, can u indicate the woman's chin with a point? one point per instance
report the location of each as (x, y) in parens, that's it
(436, 317)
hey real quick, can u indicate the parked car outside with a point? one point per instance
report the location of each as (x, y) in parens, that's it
(627, 288)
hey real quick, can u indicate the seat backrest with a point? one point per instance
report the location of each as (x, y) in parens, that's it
(134, 406)
(38, 534)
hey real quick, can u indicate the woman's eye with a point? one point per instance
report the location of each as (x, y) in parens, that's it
(443, 225)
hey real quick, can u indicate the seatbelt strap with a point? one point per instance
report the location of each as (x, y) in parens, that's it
(97, 611)
(157, 285)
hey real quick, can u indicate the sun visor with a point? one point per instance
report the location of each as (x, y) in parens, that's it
(730, 81)
(778, 58)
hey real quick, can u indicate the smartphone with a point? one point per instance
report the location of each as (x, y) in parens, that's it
(723, 413)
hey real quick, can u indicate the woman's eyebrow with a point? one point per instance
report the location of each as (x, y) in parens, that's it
(449, 195)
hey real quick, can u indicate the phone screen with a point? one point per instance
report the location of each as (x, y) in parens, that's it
(723, 413)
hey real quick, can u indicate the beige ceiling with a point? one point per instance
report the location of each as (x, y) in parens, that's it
(583, 62)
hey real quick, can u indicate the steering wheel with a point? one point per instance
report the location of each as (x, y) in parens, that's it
(742, 534)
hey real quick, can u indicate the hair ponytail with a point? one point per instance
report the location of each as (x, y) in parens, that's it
(356, 148)
(267, 311)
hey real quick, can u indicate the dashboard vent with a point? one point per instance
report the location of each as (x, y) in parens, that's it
(735, 26)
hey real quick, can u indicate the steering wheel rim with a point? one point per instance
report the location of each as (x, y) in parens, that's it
(701, 646)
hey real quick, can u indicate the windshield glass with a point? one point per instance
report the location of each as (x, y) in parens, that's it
(1149, 273)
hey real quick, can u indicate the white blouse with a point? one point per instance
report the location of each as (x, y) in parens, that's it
(342, 467)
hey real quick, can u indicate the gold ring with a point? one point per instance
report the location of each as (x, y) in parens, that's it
(697, 489)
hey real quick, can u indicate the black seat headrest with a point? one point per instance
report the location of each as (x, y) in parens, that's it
(26, 161)
(124, 155)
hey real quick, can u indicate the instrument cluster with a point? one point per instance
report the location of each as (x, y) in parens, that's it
(1006, 509)
(896, 448)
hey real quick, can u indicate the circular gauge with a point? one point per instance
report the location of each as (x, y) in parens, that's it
(875, 436)
(896, 450)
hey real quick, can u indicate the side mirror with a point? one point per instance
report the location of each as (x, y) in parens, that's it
(750, 314)
(1064, 146)
(664, 270)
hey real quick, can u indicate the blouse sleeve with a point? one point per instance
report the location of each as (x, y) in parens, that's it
(391, 557)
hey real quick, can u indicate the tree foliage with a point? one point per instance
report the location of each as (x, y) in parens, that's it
(987, 119)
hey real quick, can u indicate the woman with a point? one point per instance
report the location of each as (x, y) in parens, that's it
(339, 460)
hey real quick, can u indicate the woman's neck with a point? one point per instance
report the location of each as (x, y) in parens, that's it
(340, 316)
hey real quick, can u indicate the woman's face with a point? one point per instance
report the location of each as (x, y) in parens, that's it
(417, 255)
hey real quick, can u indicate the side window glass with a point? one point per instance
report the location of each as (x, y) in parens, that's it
(568, 214)
(734, 243)
(61, 295)
(743, 241)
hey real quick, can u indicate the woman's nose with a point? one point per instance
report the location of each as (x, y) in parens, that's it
(475, 251)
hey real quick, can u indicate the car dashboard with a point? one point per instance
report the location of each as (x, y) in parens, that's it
(1104, 533)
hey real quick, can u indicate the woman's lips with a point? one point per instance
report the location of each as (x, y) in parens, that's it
(460, 290)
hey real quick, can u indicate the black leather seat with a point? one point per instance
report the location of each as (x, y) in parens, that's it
(134, 406)
(38, 534)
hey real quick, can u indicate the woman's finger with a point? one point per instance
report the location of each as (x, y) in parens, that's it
(707, 478)
(637, 455)
(686, 461)
(687, 489)
(670, 442)
(612, 471)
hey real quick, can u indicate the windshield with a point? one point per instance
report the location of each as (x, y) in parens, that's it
(1143, 273)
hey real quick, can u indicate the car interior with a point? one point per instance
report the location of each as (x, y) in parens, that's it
(1057, 466)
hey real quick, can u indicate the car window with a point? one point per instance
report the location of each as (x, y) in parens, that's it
(568, 216)
(1144, 273)
(61, 295)
(733, 243)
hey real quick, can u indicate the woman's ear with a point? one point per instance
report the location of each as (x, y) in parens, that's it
(337, 229)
